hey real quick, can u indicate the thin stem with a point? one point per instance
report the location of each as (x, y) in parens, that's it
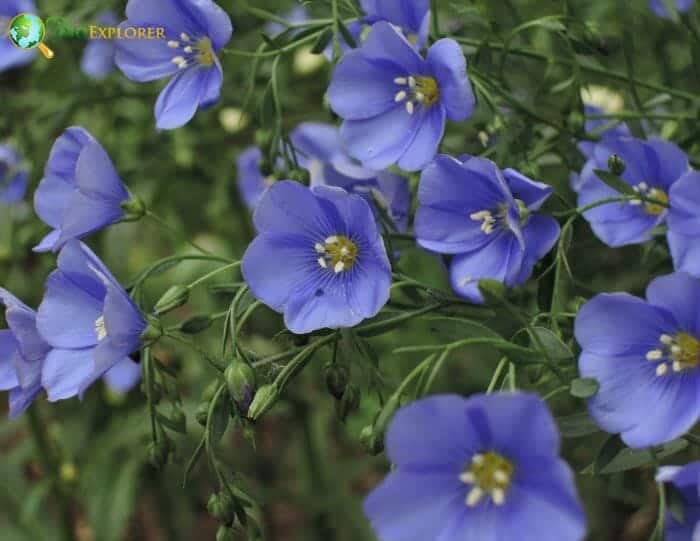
(178, 234)
(497, 374)
(206, 277)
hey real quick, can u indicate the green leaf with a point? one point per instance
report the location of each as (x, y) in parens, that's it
(611, 448)
(577, 425)
(347, 36)
(584, 387)
(618, 458)
(322, 42)
(219, 416)
(454, 328)
(614, 181)
(556, 349)
(192, 462)
(196, 324)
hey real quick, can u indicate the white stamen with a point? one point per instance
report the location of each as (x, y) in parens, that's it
(654, 355)
(498, 496)
(661, 369)
(643, 186)
(635, 189)
(188, 49)
(322, 262)
(409, 107)
(478, 459)
(666, 339)
(332, 240)
(400, 80)
(400, 96)
(677, 366)
(339, 267)
(100, 328)
(478, 216)
(487, 227)
(420, 96)
(184, 37)
(465, 281)
(320, 248)
(344, 251)
(412, 82)
(173, 44)
(500, 477)
(635, 202)
(676, 349)
(178, 60)
(467, 477)
(474, 496)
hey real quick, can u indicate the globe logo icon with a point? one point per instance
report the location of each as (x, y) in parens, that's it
(27, 31)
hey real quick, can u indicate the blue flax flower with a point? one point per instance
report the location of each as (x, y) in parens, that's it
(641, 353)
(98, 58)
(88, 319)
(123, 376)
(318, 148)
(651, 168)
(412, 17)
(13, 177)
(686, 480)
(195, 30)
(81, 191)
(659, 7)
(486, 468)
(683, 234)
(394, 103)
(318, 257)
(252, 183)
(22, 354)
(11, 56)
(486, 218)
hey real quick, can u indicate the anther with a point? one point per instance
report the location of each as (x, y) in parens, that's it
(322, 262)
(666, 339)
(188, 49)
(339, 267)
(400, 96)
(661, 369)
(498, 496)
(474, 496)
(409, 107)
(677, 366)
(420, 96)
(173, 44)
(332, 239)
(655, 355)
(184, 37)
(412, 82)
(401, 80)
(320, 248)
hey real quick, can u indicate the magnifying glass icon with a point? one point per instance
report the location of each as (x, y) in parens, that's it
(27, 31)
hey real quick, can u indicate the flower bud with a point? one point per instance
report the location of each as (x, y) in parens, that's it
(173, 298)
(196, 324)
(263, 138)
(616, 165)
(221, 507)
(224, 533)
(158, 451)
(152, 332)
(336, 379)
(202, 413)
(134, 208)
(240, 379)
(264, 399)
(349, 402)
(493, 291)
(373, 445)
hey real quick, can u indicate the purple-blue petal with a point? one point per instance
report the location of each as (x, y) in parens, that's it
(65, 371)
(425, 143)
(123, 376)
(679, 294)
(449, 67)
(178, 101)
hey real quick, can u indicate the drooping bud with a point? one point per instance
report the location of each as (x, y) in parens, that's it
(349, 402)
(373, 445)
(241, 381)
(152, 332)
(134, 208)
(336, 379)
(173, 298)
(616, 165)
(221, 507)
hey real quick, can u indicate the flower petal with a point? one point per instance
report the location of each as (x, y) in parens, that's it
(9, 352)
(145, 60)
(425, 143)
(386, 45)
(123, 376)
(179, 100)
(96, 176)
(65, 371)
(685, 251)
(680, 295)
(449, 67)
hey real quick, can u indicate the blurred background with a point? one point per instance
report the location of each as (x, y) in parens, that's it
(82, 467)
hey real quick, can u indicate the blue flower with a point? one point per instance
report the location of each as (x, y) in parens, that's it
(651, 168)
(13, 177)
(11, 56)
(318, 257)
(412, 17)
(394, 103)
(123, 376)
(81, 191)
(318, 148)
(644, 353)
(251, 181)
(486, 217)
(356, 30)
(22, 354)
(683, 234)
(659, 7)
(98, 58)
(686, 480)
(196, 30)
(485, 468)
(89, 320)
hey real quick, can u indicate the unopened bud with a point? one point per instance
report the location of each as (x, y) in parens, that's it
(196, 324)
(263, 138)
(240, 379)
(616, 165)
(153, 331)
(264, 399)
(158, 451)
(224, 533)
(134, 210)
(173, 298)
(221, 507)
(336, 379)
(349, 402)
(373, 445)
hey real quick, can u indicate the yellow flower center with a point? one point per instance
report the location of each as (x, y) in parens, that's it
(337, 252)
(489, 473)
(417, 91)
(206, 52)
(428, 88)
(657, 194)
(680, 352)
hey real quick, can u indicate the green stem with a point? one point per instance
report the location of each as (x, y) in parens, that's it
(206, 277)
(51, 467)
(178, 234)
(497, 374)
